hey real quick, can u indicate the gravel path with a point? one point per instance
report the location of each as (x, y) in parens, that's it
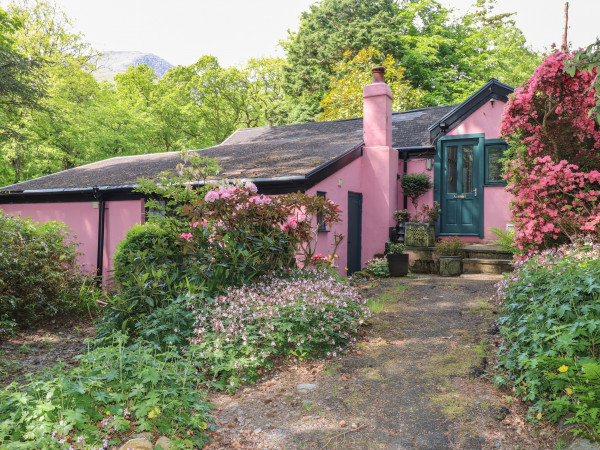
(418, 379)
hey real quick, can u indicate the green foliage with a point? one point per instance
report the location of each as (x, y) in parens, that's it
(394, 248)
(377, 267)
(550, 326)
(112, 390)
(39, 273)
(444, 56)
(588, 60)
(451, 246)
(344, 99)
(149, 245)
(414, 185)
(505, 239)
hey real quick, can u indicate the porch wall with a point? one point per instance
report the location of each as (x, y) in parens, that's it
(82, 219)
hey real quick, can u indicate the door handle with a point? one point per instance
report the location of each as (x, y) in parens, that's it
(475, 192)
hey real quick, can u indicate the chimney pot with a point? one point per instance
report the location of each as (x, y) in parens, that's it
(378, 74)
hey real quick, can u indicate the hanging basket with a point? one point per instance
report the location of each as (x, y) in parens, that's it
(419, 234)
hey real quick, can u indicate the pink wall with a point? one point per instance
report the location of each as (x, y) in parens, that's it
(485, 120)
(351, 181)
(415, 166)
(496, 212)
(82, 219)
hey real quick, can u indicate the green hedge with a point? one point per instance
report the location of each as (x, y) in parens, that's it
(39, 273)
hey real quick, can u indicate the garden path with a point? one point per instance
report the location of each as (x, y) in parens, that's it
(416, 380)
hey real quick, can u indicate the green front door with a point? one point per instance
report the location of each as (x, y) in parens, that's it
(461, 187)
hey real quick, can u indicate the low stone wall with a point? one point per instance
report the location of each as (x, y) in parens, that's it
(423, 259)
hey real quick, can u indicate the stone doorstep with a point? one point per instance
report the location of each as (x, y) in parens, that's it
(485, 253)
(482, 265)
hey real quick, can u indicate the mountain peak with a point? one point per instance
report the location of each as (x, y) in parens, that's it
(114, 62)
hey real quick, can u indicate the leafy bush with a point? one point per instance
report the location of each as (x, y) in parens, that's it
(112, 390)
(414, 185)
(452, 246)
(151, 245)
(39, 273)
(309, 314)
(551, 330)
(377, 267)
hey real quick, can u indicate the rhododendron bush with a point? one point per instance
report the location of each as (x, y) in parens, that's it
(306, 314)
(272, 230)
(552, 165)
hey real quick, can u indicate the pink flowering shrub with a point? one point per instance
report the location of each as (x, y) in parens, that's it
(552, 165)
(264, 233)
(243, 331)
(550, 325)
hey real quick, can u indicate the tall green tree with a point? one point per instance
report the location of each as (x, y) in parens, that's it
(447, 57)
(345, 101)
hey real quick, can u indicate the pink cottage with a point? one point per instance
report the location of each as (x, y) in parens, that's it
(357, 163)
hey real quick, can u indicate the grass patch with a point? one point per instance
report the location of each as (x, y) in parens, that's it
(483, 308)
(387, 299)
(458, 361)
(452, 405)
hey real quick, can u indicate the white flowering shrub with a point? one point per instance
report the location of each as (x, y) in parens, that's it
(308, 314)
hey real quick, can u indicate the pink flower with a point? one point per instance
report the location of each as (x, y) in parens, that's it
(186, 236)
(211, 196)
(195, 225)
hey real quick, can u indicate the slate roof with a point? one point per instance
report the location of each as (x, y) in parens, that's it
(258, 153)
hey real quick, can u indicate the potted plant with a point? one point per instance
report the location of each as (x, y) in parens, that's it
(422, 233)
(414, 185)
(450, 251)
(397, 260)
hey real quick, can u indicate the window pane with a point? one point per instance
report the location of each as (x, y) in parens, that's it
(494, 168)
(467, 174)
(451, 169)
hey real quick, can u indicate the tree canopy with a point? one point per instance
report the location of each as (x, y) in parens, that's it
(345, 101)
(444, 56)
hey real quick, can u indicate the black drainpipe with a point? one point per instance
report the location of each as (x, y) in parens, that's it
(404, 171)
(101, 214)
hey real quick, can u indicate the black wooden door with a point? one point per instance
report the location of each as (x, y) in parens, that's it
(354, 231)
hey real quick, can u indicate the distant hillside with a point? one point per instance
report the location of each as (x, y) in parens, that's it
(112, 63)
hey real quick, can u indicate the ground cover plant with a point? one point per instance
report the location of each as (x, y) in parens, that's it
(115, 387)
(305, 315)
(550, 326)
(39, 273)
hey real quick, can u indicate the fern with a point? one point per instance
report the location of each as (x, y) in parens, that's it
(506, 239)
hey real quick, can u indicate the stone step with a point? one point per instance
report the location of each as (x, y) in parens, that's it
(485, 252)
(487, 265)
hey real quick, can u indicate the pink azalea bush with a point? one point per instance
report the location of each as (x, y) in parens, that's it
(305, 315)
(552, 164)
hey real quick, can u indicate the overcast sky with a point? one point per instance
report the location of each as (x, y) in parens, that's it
(180, 31)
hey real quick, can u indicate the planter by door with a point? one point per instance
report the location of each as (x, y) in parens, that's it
(398, 264)
(419, 234)
(450, 266)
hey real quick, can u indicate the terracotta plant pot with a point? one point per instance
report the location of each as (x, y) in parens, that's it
(450, 266)
(398, 264)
